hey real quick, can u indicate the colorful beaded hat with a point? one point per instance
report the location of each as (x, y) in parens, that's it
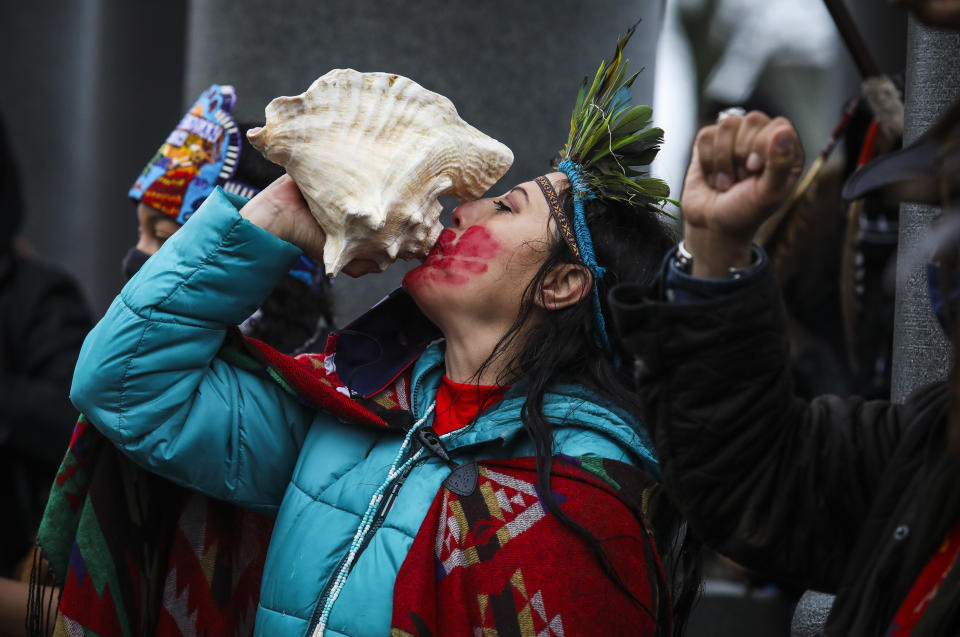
(203, 152)
(200, 154)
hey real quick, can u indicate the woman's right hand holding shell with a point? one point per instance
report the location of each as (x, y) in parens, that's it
(281, 210)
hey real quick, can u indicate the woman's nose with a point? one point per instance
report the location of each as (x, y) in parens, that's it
(465, 215)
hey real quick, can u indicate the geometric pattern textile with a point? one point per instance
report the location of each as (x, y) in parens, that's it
(130, 553)
(134, 554)
(497, 562)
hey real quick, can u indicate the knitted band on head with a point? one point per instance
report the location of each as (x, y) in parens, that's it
(581, 193)
(578, 237)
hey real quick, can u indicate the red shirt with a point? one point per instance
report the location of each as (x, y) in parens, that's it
(459, 403)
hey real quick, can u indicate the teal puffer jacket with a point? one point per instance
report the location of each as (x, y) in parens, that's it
(149, 378)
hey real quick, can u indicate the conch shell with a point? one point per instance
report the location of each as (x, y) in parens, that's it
(371, 152)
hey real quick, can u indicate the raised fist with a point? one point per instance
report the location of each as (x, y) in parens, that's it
(741, 170)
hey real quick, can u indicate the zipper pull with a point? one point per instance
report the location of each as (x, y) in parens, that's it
(430, 440)
(463, 477)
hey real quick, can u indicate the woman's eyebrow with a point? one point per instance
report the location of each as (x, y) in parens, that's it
(525, 195)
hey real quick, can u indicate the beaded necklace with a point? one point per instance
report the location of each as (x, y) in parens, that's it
(341, 575)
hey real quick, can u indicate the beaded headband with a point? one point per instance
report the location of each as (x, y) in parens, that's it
(563, 223)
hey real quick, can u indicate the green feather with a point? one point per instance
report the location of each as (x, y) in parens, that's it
(649, 134)
(577, 108)
(636, 116)
(578, 123)
(612, 141)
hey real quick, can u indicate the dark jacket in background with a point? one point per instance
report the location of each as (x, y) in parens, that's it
(43, 320)
(837, 494)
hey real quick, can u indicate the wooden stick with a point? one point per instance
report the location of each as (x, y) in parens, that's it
(769, 233)
(852, 38)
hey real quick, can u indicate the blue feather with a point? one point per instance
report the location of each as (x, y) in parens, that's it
(621, 99)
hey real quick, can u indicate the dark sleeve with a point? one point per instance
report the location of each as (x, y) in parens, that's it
(680, 287)
(47, 319)
(778, 484)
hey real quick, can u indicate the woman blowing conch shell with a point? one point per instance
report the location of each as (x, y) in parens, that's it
(465, 458)
(371, 152)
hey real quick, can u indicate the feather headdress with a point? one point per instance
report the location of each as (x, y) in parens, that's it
(612, 142)
(605, 157)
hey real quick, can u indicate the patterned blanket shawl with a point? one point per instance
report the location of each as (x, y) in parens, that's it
(133, 554)
(497, 563)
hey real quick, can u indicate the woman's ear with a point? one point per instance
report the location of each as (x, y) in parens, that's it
(565, 285)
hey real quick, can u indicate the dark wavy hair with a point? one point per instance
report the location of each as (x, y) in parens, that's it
(294, 318)
(630, 242)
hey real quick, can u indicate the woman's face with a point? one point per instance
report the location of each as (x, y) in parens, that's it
(154, 227)
(480, 267)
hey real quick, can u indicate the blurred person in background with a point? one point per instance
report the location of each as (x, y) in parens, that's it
(298, 312)
(844, 495)
(176, 539)
(43, 320)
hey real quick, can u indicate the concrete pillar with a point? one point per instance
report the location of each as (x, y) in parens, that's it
(90, 91)
(921, 352)
(511, 68)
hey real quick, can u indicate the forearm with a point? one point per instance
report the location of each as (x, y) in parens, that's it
(149, 380)
(14, 596)
(13, 607)
(714, 254)
(167, 324)
(214, 272)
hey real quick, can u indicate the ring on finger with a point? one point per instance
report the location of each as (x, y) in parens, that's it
(732, 111)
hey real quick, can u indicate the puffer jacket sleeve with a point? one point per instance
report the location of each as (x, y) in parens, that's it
(149, 379)
(778, 484)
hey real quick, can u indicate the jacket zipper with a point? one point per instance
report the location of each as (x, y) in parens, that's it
(385, 506)
(382, 510)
